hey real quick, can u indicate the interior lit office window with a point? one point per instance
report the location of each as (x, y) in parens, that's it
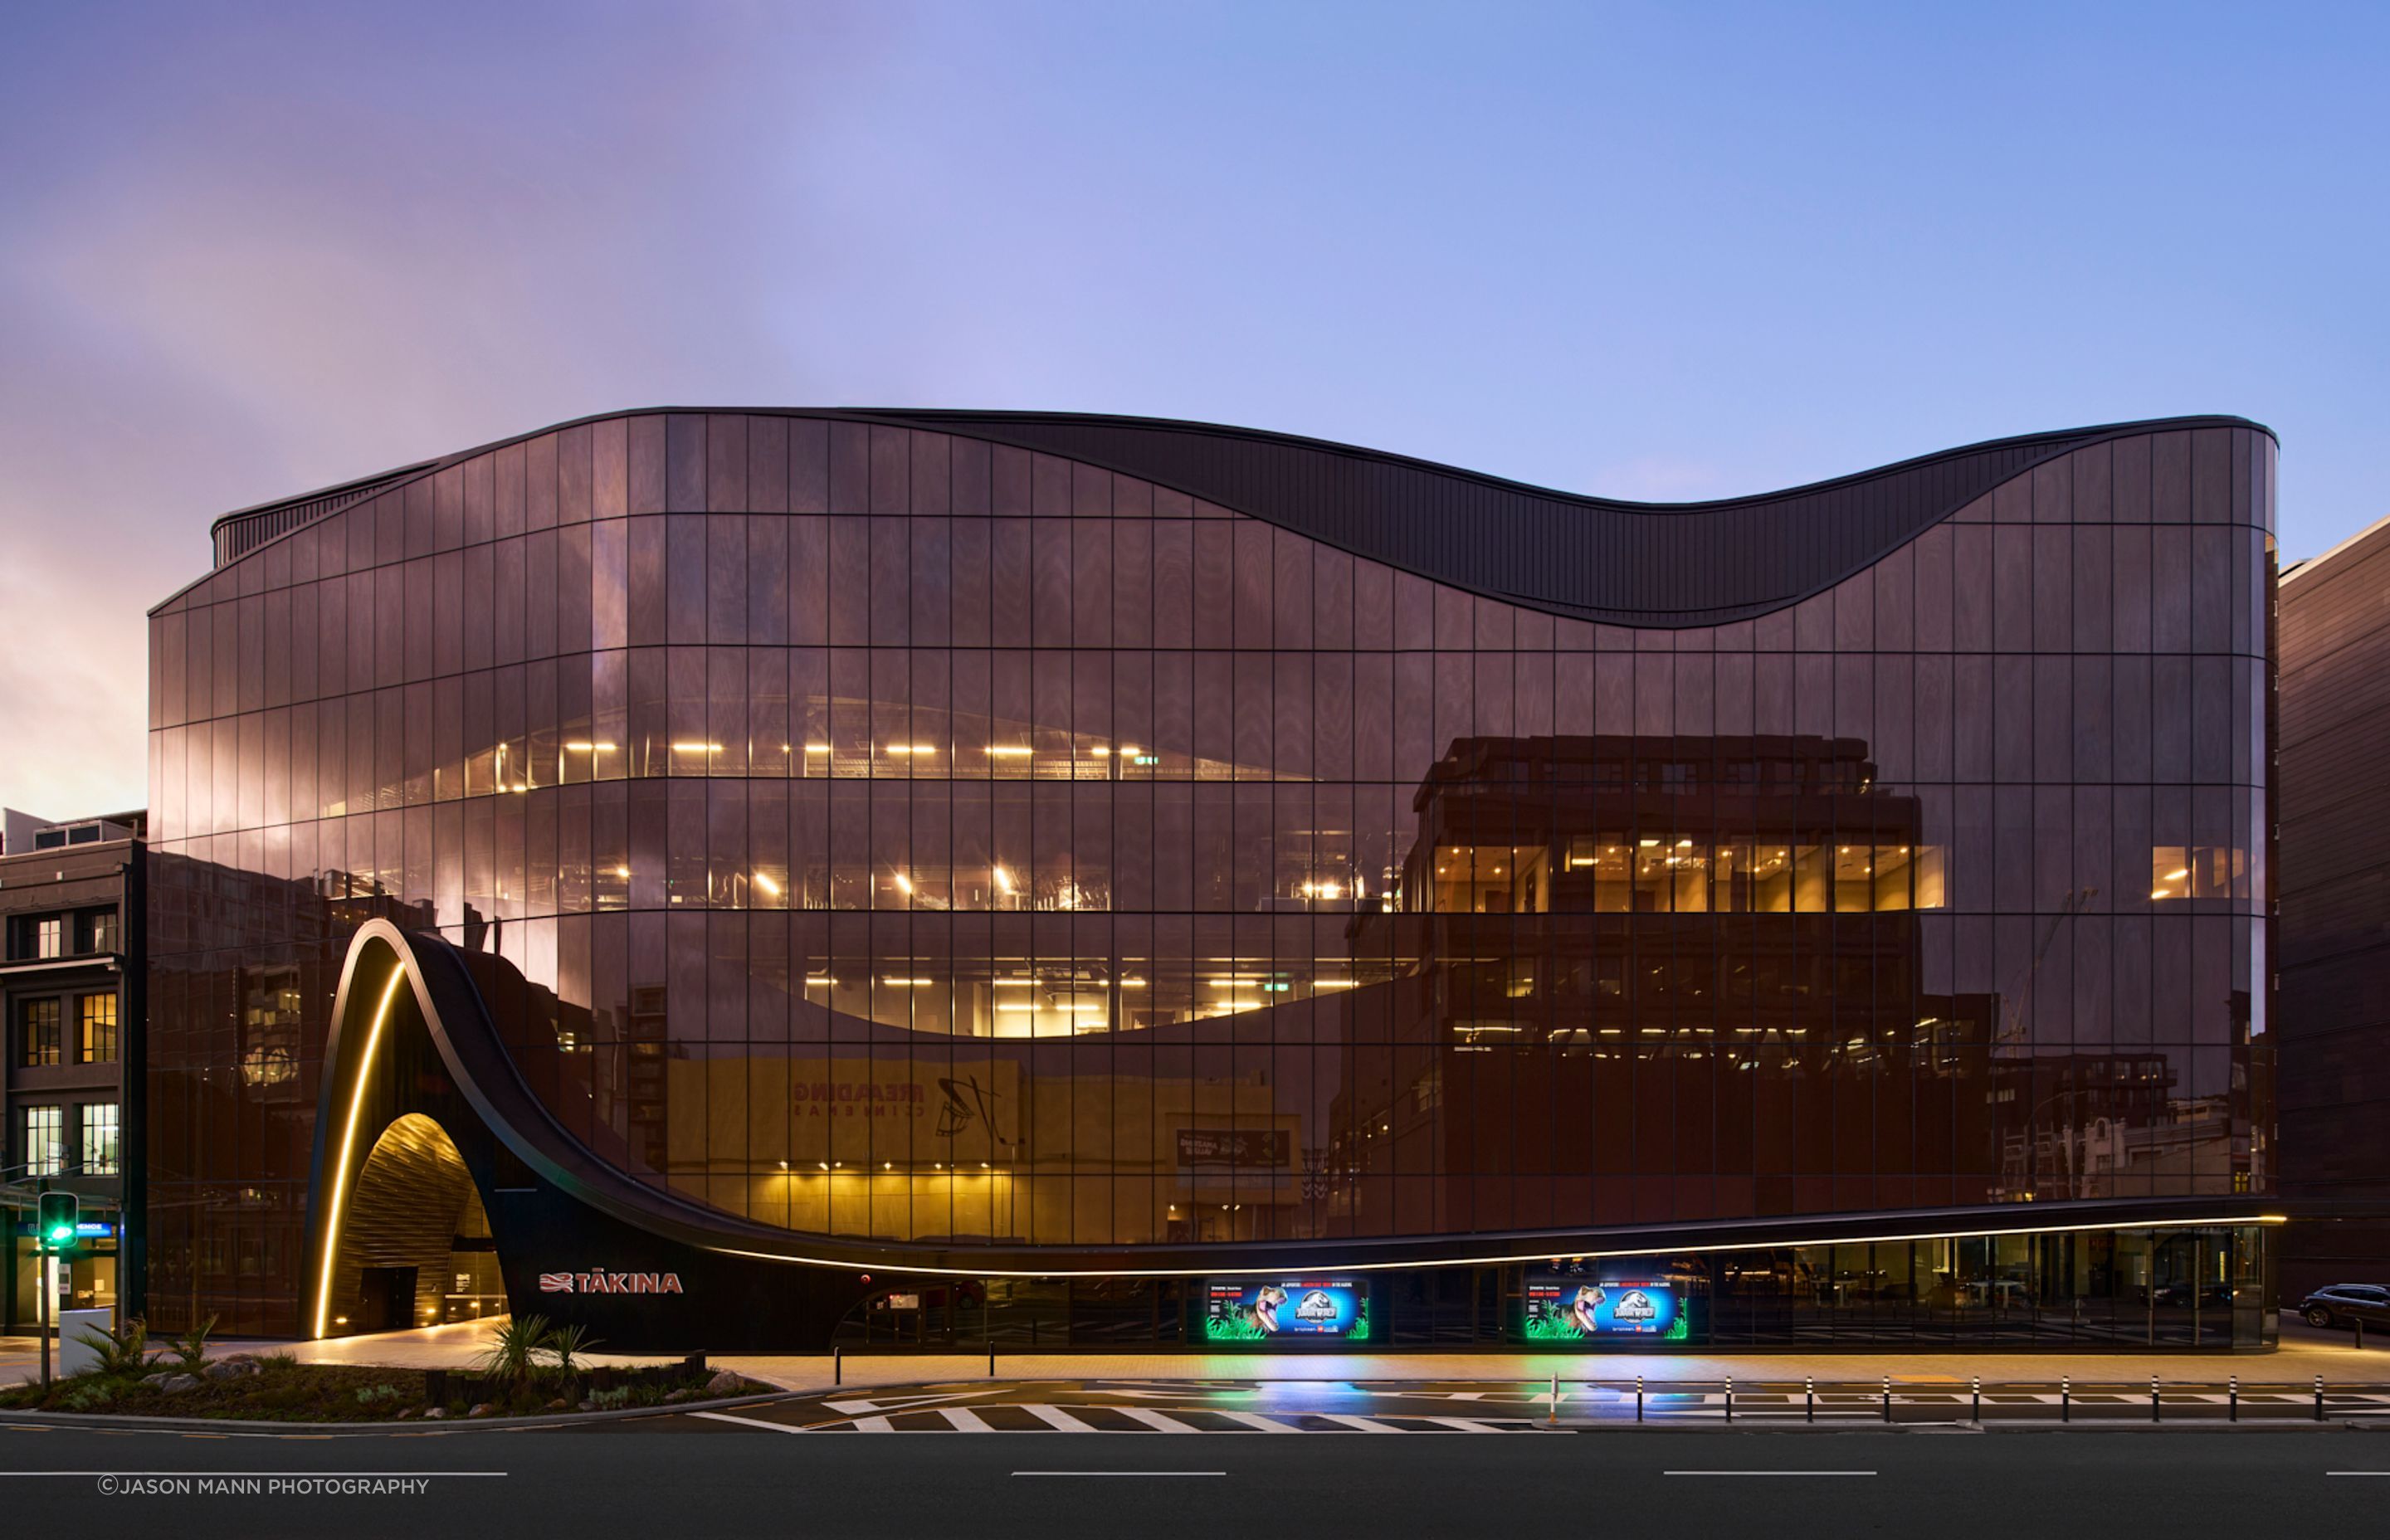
(98, 1044)
(50, 936)
(107, 933)
(45, 1141)
(100, 1144)
(37, 1033)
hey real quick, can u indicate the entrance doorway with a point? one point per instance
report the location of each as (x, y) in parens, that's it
(415, 1247)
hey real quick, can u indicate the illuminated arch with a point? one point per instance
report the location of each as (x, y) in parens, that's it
(335, 1213)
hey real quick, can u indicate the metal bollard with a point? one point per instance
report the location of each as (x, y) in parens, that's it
(2154, 1398)
(1977, 1414)
(991, 1360)
(1808, 1398)
(1639, 1398)
(1729, 1398)
(837, 1366)
(1555, 1416)
(1887, 1398)
(2066, 1399)
(2232, 1400)
(2318, 1398)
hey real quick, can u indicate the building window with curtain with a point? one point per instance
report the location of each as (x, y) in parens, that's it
(50, 936)
(98, 1044)
(45, 1141)
(100, 1144)
(37, 1033)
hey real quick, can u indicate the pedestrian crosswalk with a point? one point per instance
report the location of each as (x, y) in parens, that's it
(1046, 1418)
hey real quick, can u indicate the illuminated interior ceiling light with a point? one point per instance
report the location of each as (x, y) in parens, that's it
(824, 1165)
(334, 1212)
(2178, 874)
(589, 747)
(1012, 984)
(1006, 751)
(1229, 980)
(1100, 752)
(2161, 893)
(818, 981)
(1003, 880)
(1132, 983)
(921, 750)
(697, 747)
(908, 984)
(1646, 844)
(623, 871)
(1018, 1005)
(817, 747)
(1332, 983)
(1683, 845)
(761, 881)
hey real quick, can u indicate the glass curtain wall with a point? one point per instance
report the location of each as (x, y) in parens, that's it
(900, 835)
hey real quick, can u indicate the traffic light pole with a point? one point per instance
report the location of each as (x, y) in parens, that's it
(41, 1279)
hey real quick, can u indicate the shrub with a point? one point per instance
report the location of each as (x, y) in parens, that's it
(569, 1343)
(191, 1347)
(124, 1351)
(369, 1395)
(607, 1400)
(84, 1398)
(512, 1356)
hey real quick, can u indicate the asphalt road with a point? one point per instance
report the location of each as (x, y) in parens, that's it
(754, 1482)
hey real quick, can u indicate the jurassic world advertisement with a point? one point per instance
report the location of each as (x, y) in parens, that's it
(1564, 1308)
(1286, 1309)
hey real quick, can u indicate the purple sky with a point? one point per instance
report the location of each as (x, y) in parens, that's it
(248, 249)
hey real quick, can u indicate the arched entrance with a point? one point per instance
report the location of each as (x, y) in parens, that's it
(417, 1248)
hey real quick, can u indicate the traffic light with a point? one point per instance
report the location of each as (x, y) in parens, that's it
(58, 1212)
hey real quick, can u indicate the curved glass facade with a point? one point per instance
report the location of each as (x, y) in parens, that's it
(909, 838)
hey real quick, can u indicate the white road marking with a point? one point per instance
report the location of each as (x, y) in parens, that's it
(965, 1420)
(1768, 1472)
(1255, 1420)
(1362, 1423)
(748, 1421)
(1056, 1417)
(1466, 1425)
(1152, 1419)
(874, 1425)
(1120, 1472)
(2358, 1472)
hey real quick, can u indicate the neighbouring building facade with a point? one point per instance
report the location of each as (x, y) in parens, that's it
(73, 977)
(772, 878)
(2335, 898)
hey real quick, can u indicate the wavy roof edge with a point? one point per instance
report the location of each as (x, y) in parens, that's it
(1636, 563)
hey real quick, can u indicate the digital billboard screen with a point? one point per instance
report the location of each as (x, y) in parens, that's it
(1562, 1308)
(1284, 1309)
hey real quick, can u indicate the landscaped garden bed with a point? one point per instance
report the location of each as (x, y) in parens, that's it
(530, 1369)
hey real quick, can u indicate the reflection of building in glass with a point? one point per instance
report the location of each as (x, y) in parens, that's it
(1003, 850)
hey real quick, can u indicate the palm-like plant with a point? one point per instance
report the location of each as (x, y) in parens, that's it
(512, 1356)
(124, 1351)
(191, 1347)
(569, 1343)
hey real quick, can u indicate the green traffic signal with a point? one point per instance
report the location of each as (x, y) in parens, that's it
(59, 1210)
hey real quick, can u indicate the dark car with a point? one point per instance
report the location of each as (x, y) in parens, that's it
(2347, 1304)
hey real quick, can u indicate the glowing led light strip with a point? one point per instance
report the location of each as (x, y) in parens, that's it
(1541, 1254)
(333, 1212)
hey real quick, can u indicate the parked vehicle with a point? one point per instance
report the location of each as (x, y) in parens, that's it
(2347, 1304)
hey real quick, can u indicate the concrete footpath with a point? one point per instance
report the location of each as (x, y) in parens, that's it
(2303, 1355)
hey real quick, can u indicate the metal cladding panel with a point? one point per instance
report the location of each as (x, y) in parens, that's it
(1594, 559)
(1641, 564)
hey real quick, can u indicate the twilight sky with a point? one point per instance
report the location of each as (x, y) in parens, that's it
(247, 250)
